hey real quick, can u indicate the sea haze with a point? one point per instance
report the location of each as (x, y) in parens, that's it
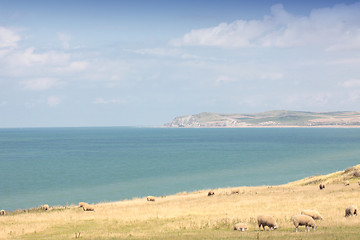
(60, 166)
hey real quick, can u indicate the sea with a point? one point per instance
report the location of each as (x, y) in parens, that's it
(63, 166)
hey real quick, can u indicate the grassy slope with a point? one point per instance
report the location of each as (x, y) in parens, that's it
(197, 216)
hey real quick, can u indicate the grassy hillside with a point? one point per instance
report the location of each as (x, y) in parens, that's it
(198, 216)
(351, 174)
(269, 119)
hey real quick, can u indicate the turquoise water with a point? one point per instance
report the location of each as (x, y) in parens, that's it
(61, 166)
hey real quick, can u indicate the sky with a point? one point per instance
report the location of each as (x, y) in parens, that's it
(144, 62)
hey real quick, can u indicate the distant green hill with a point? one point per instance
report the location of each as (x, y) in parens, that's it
(279, 118)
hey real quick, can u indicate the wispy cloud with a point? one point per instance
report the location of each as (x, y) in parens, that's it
(40, 84)
(53, 101)
(65, 40)
(333, 28)
(29, 57)
(8, 38)
(353, 83)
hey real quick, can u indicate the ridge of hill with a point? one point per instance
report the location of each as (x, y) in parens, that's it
(277, 118)
(350, 174)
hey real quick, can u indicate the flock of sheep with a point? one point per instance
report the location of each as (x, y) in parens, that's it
(306, 218)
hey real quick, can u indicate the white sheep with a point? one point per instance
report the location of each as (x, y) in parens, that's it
(266, 220)
(45, 207)
(240, 227)
(81, 204)
(351, 211)
(150, 198)
(304, 220)
(312, 213)
(87, 207)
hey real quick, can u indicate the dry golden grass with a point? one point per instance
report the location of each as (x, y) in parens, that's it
(195, 215)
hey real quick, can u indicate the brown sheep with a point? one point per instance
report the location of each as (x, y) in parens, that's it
(240, 227)
(304, 220)
(321, 186)
(210, 193)
(150, 198)
(87, 207)
(266, 220)
(2, 212)
(351, 211)
(312, 213)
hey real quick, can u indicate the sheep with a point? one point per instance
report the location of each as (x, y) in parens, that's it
(87, 207)
(45, 207)
(235, 191)
(81, 204)
(351, 211)
(241, 227)
(346, 183)
(321, 186)
(210, 193)
(2, 212)
(312, 213)
(304, 220)
(266, 220)
(150, 198)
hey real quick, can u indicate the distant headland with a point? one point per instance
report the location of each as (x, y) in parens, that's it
(278, 118)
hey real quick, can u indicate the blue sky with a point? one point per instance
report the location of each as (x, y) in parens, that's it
(142, 63)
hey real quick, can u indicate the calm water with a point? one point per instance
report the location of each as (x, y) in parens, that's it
(62, 166)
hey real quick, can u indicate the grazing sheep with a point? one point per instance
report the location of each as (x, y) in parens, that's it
(321, 186)
(2, 212)
(351, 211)
(87, 207)
(45, 207)
(240, 227)
(210, 193)
(81, 204)
(304, 220)
(312, 213)
(266, 220)
(150, 198)
(236, 191)
(346, 183)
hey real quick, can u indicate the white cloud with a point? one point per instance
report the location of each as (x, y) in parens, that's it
(76, 66)
(353, 83)
(8, 38)
(334, 28)
(29, 58)
(53, 101)
(40, 84)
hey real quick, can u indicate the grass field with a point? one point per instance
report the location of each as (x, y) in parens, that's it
(197, 216)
